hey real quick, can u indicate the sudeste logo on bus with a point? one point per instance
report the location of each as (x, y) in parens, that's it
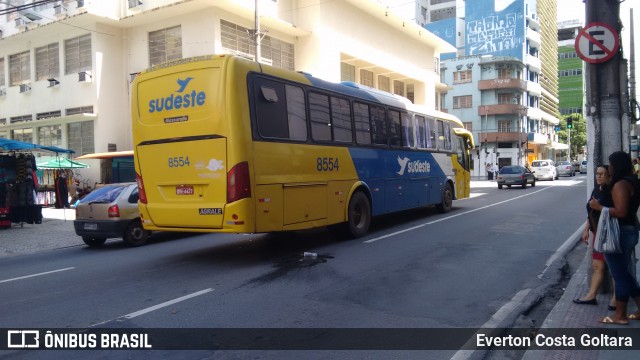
(414, 166)
(181, 101)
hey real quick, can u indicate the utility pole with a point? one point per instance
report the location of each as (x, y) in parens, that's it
(603, 106)
(256, 31)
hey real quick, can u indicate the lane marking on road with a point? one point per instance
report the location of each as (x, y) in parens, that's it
(450, 217)
(38, 274)
(159, 306)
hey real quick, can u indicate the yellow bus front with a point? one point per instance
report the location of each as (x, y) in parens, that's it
(189, 177)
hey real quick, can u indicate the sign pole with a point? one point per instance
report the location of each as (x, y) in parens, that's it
(598, 44)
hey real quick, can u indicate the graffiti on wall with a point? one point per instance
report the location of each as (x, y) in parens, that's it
(491, 34)
(495, 27)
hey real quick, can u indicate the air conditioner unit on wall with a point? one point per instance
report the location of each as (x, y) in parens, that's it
(21, 23)
(59, 10)
(84, 76)
(25, 88)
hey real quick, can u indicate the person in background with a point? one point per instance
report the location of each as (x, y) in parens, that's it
(636, 167)
(489, 171)
(603, 194)
(495, 171)
(625, 191)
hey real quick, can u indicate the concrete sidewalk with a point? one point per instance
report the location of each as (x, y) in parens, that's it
(55, 232)
(567, 315)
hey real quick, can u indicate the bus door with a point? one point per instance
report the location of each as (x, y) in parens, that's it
(463, 165)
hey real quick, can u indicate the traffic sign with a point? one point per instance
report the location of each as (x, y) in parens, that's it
(597, 43)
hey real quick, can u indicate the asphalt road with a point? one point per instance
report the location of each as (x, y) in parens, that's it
(415, 269)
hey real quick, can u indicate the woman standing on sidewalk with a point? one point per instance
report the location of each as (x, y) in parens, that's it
(625, 191)
(601, 192)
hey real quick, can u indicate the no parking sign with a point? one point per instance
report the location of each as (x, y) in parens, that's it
(597, 43)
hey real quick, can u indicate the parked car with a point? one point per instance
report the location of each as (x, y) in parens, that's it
(515, 175)
(110, 212)
(565, 168)
(544, 169)
(583, 167)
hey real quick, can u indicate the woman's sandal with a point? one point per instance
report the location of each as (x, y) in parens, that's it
(608, 320)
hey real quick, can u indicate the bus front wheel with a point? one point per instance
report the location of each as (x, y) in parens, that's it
(359, 215)
(447, 199)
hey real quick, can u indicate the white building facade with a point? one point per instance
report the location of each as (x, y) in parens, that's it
(66, 66)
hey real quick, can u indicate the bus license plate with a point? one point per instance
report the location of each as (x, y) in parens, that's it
(91, 226)
(184, 190)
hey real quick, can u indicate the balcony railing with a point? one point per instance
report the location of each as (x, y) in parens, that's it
(502, 84)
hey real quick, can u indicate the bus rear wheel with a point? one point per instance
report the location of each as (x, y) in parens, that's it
(359, 215)
(447, 199)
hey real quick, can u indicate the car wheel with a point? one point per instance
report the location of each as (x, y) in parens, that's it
(135, 234)
(533, 184)
(524, 184)
(447, 199)
(93, 241)
(359, 215)
(499, 186)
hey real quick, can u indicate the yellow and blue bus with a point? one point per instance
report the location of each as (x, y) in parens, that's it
(225, 144)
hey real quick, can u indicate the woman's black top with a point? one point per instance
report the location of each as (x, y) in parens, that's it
(634, 203)
(605, 199)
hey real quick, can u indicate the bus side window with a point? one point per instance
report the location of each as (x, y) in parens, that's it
(361, 120)
(447, 136)
(319, 116)
(395, 128)
(271, 111)
(433, 133)
(341, 120)
(421, 133)
(407, 131)
(440, 138)
(378, 125)
(296, 113)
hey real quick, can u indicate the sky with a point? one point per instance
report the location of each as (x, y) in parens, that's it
(574, 9)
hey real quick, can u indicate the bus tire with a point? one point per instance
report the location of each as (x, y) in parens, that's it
(93, 242)
(447, 199)
(135, 234)
(359, 215)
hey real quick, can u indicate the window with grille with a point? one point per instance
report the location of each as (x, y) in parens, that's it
(80, 110)
(468, 126)
(48, 115)
(411, 93)
(19, 119)
(80, 137)
(1, 71)
(461, 77)
(165, 45)
(398, 87)
(384, 83)
(347, 72)
(236, 40)
(24, 135)
(50, 135)
(77, 54)
(506, 98)
(47, 62)
(462, 102)
(366, 77)
(504, 125)
(19, 68)
(504, 73)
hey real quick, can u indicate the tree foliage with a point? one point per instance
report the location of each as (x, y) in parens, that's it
(578, 133)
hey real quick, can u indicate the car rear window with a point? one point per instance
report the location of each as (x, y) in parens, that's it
(510, 170)
(584, 163)
(565, 163)
(540, 163)
(105, 194)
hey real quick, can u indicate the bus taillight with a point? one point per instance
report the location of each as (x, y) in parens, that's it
(142, 195)
(238, 185)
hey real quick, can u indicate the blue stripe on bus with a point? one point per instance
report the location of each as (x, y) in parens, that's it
(399, 179)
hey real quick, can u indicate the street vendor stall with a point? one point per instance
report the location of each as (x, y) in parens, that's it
(19, 182)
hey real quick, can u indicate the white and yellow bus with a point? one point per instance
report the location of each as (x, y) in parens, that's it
(224, 144)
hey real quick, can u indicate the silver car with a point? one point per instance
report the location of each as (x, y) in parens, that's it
(583, 167)
(565, 168)
(110, 212)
